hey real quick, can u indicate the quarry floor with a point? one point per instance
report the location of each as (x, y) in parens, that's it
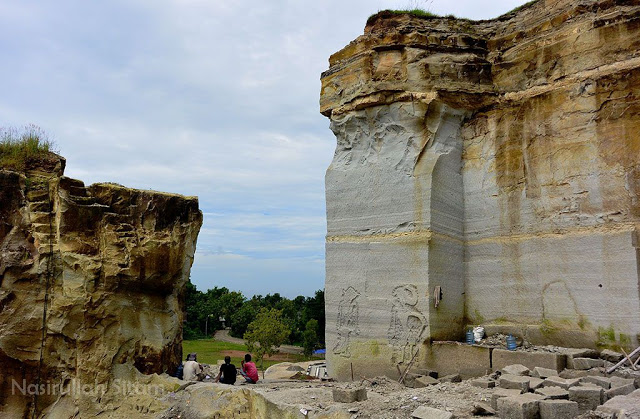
(385, 399)
(295, 398)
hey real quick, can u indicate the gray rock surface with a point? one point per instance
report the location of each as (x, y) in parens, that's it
(553, 393)
(514, 382)
(516, 369)
(494, 162)
(558, 409)
(426, 412)
(544, 372)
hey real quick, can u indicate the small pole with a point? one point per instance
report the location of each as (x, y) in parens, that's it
(351, 363)
(206, 326)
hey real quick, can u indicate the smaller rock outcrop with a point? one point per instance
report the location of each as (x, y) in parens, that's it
(92, 282)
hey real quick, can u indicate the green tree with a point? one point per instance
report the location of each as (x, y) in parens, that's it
(242, 317)
(194, 302)
(314, 309)
(266, 333)
(310, 337)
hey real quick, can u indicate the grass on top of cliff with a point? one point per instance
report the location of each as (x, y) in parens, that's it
(421, 13)
(18, 146)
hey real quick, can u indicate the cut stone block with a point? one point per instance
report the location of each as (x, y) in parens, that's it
(558, 409)
(424, 381)
(620, 390)
(535, 383)
(470, 361)
(451, 378)
(541, 372)
(426, 412)
(561, 382)
(482, 409)
(409, 379)
(500, 393)
(572, 353)
(611, 356)
(349, 395)
(587, 363)
(570, 374)
(553, 393)
(502, 358)
(523, 406)
(587, 397)
(619, 381)
(517, 382)
(483, 383)
(603, 382)
(623, 407)
(516, 369)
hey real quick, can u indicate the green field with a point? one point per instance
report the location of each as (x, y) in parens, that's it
(210, 351)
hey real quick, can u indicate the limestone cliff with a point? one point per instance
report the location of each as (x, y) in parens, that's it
(498, 160)
(92, 286)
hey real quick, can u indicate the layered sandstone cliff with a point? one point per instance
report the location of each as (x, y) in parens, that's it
(92, 284)
(496, 161)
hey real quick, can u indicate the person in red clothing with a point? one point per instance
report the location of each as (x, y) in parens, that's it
(249, 370)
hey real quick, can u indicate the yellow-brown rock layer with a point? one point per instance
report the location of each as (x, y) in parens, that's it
(91, 279)
(497, 160)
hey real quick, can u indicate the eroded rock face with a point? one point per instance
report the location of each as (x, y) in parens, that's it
(497, 160)
(104, 267)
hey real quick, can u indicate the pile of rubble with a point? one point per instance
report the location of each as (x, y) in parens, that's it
(542, 383)
(583, 389)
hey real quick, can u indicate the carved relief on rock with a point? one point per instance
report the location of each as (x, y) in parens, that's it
(348, 323)
(407, 323)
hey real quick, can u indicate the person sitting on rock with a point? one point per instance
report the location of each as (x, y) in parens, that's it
(249, 370)
(191, 368)
(228, 372)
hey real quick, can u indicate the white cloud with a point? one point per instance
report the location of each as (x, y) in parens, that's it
(211, 98)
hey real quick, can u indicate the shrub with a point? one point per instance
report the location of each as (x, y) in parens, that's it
(424, 14)
(20, 146)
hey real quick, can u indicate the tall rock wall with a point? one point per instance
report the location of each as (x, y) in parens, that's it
(495, 164)
(92, 281)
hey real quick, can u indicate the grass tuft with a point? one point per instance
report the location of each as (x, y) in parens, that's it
(20, 146)
(415, 12)
(421, 13)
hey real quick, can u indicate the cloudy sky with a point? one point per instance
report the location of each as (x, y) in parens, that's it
(214, 98)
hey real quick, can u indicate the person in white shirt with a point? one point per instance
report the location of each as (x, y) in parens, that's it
(191, 368)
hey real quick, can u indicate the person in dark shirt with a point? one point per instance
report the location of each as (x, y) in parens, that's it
(228, 372)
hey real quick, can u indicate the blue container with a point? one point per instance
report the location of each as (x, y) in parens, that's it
(469, 337)
(511, 343)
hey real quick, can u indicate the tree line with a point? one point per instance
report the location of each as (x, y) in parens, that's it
(302, 316)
